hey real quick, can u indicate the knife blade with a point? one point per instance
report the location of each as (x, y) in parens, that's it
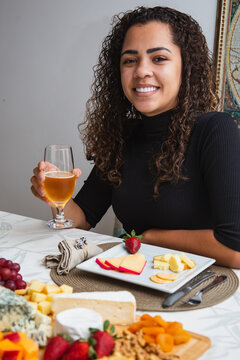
(173, 298)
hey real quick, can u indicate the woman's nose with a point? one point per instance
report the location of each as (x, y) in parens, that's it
(143, 69)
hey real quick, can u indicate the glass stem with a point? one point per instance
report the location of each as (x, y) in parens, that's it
(60, 215)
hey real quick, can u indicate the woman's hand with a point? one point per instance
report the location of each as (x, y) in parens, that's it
(38, 178)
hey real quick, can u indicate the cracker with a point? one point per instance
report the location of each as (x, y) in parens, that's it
(157, 280)
(167, 276)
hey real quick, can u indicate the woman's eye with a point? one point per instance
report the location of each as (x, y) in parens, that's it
(128, 61)
(159, 59)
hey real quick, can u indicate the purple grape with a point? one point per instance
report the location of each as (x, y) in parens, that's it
(20, 284)
(18, 276)
(8, 264)
(2, 262)
(5, 273)
(10, 284)
(13, 275)
(15, 266)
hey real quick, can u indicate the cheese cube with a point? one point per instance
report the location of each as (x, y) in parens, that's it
(36, 285)
(10, 349)
(37, 297)
(66, 289)
(49, 297)
(51, 289)
(30, 348)
(161, 265)
(44, 307)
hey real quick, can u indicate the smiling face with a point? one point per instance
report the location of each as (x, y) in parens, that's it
(151, 68)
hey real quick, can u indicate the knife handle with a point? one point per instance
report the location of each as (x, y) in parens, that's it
(171, 299)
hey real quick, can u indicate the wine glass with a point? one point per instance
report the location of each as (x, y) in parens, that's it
(59, 181)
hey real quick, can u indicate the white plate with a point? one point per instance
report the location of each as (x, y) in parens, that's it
(144, 278)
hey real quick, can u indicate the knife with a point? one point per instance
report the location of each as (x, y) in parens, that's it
(173, 298)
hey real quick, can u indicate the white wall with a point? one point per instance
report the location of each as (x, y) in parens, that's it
(47, 51)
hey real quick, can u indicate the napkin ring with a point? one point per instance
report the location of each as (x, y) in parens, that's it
(80, 243)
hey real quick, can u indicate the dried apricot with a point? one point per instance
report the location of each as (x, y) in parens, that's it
(159, 320)
(181, 337)
(140, 324)
(174, 327)
(154, 330)
(165, 341)
(149, 339)
(146, 317)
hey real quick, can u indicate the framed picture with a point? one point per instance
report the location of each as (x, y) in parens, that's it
(227, 56)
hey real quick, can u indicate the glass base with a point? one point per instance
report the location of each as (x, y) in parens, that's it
(59, 225)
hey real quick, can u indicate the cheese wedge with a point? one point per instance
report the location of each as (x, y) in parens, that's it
(114, 263)
(101, 262)
(185, 259)
(133, 264)
(119, 307)
(175, 263)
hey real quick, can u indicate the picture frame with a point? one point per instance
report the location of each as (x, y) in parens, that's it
(227, 57)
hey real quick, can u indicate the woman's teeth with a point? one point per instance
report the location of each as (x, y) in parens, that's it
(146, 89)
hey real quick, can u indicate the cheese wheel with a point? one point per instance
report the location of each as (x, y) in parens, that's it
(76, 322)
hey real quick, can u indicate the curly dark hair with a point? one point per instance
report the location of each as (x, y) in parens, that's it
(110, 117)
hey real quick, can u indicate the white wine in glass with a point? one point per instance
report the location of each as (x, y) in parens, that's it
(59, 181)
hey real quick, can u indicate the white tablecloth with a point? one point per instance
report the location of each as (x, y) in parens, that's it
(27, 241)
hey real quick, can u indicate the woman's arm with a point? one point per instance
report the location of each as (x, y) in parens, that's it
(74, 212)
(201, 242)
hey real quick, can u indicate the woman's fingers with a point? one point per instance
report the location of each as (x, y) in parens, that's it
(37, 180)
(77, 172)
(38, 185)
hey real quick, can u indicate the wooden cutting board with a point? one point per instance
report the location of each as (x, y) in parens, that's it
(192, 350)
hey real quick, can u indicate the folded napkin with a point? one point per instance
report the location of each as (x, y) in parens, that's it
(73, 252)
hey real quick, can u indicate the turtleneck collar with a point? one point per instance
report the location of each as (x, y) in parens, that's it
(157, 123)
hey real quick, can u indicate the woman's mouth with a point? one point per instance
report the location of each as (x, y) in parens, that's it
(146, 89)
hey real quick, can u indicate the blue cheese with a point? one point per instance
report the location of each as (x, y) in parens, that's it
(14, 310)
(16, 314)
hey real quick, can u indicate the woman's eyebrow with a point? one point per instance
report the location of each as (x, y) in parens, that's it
(148, 51)
(132, 52)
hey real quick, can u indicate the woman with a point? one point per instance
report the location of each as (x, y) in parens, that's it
(165, 161)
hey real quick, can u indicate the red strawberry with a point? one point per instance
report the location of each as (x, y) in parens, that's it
(77, 351)
(104, 343)
(132, 242)
(56, 347)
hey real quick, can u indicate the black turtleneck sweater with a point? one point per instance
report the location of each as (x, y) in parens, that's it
(210, 199)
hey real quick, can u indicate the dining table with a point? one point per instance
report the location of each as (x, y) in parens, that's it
(27, 241)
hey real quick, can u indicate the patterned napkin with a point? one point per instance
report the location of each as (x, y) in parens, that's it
(73, 252)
